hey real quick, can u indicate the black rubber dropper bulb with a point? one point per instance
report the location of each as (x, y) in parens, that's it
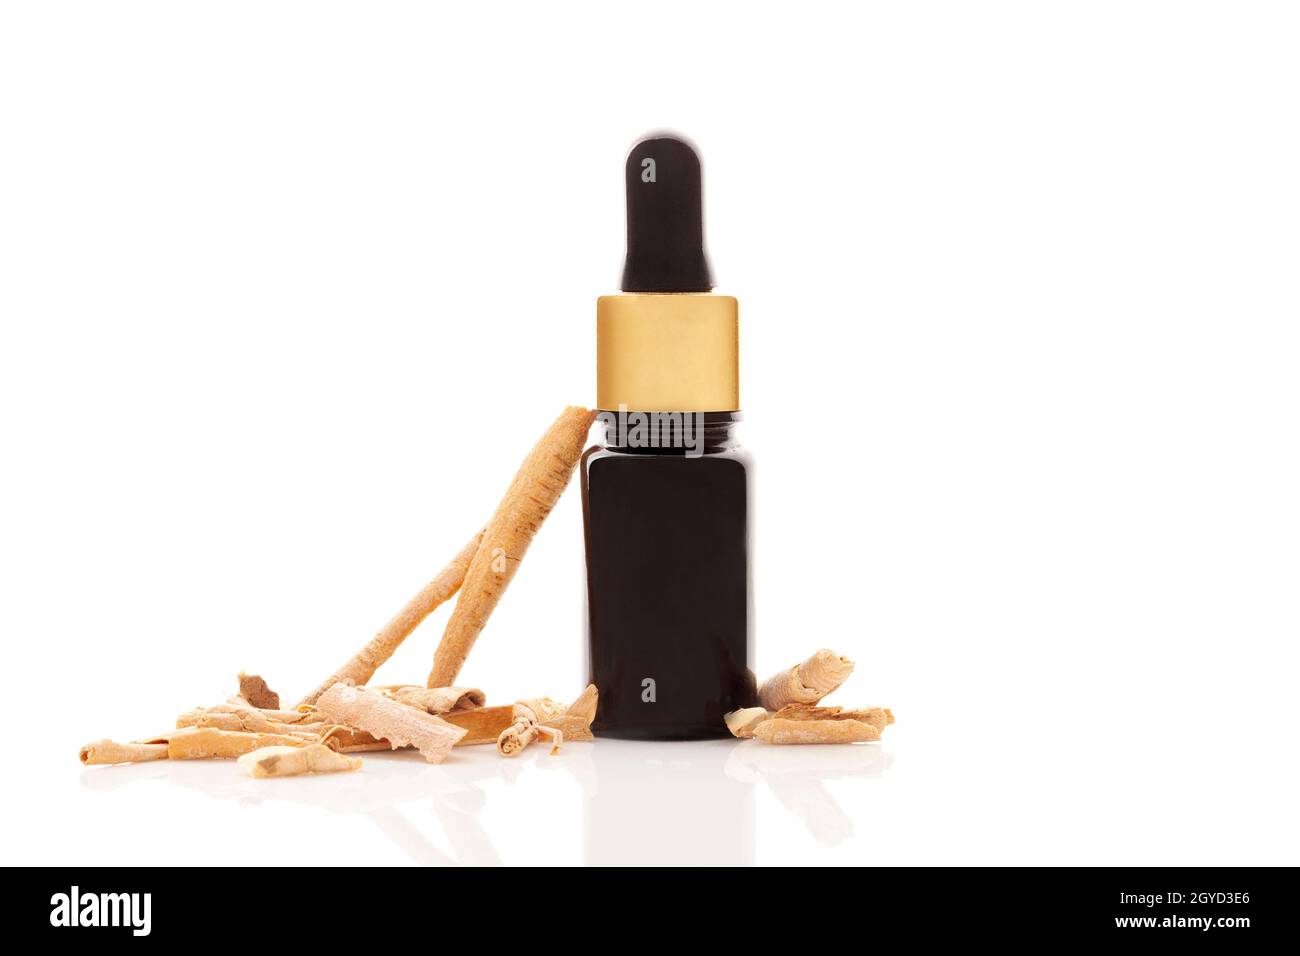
(665, 219)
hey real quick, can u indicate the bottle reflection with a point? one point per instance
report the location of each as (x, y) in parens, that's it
(656, 804)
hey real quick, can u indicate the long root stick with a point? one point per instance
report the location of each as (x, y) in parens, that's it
(531, 496)
(805, 683)
(362, 666)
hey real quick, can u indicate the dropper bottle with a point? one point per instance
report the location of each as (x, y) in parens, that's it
(665, 497)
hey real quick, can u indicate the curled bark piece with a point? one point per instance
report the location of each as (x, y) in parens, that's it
(200, 743)
(362, 666)
(109, 751)
(387, 719)
(780, 730)
(436, 700)
(805, 683)
(544, 717)
(531, 496)
(742, 722)
(523, 730)
(254, 690)
(878, 717)
(291, 761)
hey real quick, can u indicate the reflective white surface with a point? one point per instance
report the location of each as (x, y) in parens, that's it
(611, 802)
(944, 787)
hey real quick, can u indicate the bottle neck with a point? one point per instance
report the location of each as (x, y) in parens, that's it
(669, 433)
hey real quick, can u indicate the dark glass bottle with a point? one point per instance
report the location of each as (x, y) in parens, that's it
(665, 499)
(668, 583)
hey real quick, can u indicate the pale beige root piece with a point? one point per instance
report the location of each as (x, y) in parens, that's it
(531, 496)
(878, 717)
(781, 730)
(436, 700)
(109, 751)
(291, 761)
(254, 690)
(201, 743)
(387, 719)
(742, 722)
(362, 666)
(544, 717)
(805, 683)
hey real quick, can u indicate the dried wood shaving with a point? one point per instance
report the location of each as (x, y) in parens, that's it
(109, 752)
(542, 716)
(878, 717)
(254, 690)
(199, 743)
(291, 761)
(436, 700)
(482, 725)
(397, 723)
(742, 722)
(781, 730)
(805, 683)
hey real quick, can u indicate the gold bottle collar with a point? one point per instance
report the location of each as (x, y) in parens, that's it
(667, 352)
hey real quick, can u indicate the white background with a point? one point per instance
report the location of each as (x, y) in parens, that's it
(287, 290)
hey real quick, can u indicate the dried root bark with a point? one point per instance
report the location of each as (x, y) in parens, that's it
(254, 690)
(249, 721)
(291, 761)
(542, 716)
(742, 722)
(531, 496)
(362, 666)
(782, 730)
(878, 717)
(805, 683)
(109, 752)
(436, 700)
(347, 740)
(386, 719)
(201, 743)
(483, 725)
(808, 723)
(237, 705)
